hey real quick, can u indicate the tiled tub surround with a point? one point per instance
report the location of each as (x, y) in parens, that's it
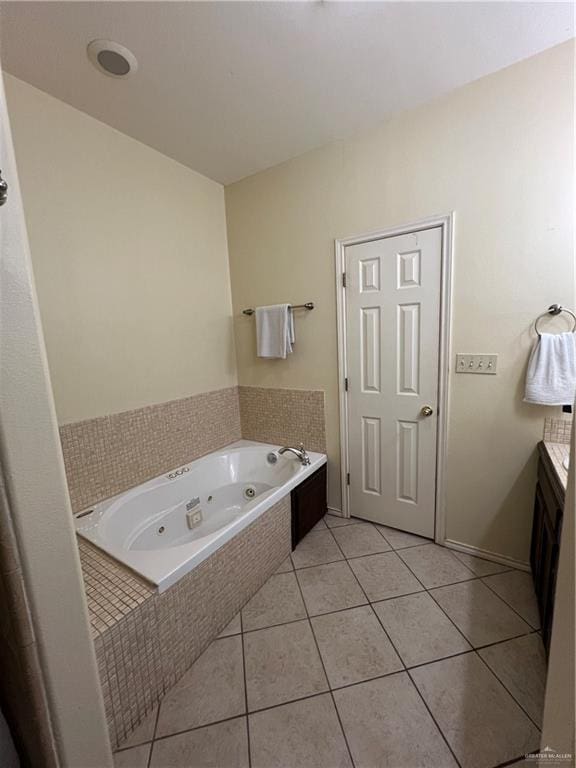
(368, 647)
(146, 641)
(285, 416)
(146, 528)
(110, 454)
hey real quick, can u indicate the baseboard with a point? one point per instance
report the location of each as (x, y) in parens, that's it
(484, 553)
(337, 512)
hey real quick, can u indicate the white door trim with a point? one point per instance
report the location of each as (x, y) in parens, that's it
(446, 223)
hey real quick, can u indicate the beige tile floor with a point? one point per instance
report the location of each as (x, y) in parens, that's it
(370, 648)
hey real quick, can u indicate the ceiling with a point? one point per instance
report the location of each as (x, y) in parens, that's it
(231, 88)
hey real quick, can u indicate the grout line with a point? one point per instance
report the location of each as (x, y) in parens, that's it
(506, 640)
(434, 720)
(245, 688)
(377, 618)
(396, 597)
(503, 684)
(398, 552)
(472, 577)
(273, 626)
(315, 565)
(156, 720)
(507, 603)
(422, 543)
(428, 592)
(451, 583)
(290, 701)
(441, 658)
(356, 521)
(144, 741)
(370, 554)
(325, 672)
(451, 620)
(360, 557)
(378, 527)
(456, 552)
(205, 725)
(520, 758)
(401, 549)
(483, 645)
(149, 763)
(424, 588)
(447, 549)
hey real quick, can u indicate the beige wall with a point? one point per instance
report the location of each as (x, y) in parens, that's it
(498, 152)
(130, 261)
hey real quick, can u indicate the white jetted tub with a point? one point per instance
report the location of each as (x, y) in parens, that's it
(167, 526)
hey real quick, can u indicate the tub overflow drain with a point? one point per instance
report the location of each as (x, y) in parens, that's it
(249, 492)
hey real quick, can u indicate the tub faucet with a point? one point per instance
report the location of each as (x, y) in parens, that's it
(300, 452)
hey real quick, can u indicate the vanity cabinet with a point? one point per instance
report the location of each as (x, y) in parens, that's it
(545, 546)
(308, 504)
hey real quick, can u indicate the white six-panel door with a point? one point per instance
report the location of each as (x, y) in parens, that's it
(392, 349)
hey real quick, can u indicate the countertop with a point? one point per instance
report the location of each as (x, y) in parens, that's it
(556, 453)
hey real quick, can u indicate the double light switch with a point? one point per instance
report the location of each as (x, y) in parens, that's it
(467, 363)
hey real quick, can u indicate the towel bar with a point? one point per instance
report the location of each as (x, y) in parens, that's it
(308, 305)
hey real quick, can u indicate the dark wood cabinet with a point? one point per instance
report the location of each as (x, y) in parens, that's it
(308, 504)
(545, 546)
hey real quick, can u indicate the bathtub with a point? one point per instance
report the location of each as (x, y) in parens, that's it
(167, 526)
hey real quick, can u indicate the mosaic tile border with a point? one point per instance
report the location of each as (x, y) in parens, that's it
(283, 416)
(110, 454)
(144, 652)
(557, 430)
(112, 591)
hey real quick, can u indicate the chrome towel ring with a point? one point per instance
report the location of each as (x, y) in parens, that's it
(555, 309)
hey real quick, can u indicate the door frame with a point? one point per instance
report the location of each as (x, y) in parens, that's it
(446, 224)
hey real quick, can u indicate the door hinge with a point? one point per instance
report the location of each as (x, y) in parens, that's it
(347, 478)
(346, 384)
(343, 279)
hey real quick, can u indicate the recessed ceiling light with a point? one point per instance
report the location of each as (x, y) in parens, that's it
(111, 58)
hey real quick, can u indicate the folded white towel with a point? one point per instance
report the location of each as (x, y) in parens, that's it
(551, 375)
(274, 331)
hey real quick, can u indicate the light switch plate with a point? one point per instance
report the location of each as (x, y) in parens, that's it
(468, 363)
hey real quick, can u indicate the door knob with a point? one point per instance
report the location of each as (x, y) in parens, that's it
(427, 411)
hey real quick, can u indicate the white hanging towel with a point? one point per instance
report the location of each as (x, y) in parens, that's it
(551, 375)
(274, 331)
